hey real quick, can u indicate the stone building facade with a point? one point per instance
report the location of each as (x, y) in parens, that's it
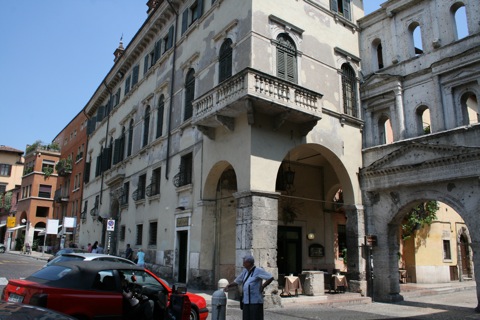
(231, 127)
(416, 71)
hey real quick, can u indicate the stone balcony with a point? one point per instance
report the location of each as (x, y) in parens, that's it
(251, 91)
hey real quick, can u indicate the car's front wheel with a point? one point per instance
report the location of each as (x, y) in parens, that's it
(2, 250)
(194, 314)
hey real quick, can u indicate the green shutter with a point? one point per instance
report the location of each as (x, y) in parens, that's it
(184, 20)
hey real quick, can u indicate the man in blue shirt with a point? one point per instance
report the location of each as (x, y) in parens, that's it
(251, 280)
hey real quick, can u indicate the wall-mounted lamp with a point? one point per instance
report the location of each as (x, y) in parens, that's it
(311, 236)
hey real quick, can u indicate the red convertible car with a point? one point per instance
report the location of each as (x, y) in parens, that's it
(91, 290)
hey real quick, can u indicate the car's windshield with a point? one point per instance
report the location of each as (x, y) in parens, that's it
(141, 278)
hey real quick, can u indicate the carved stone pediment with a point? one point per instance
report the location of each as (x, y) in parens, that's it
(420, 156)
(376, 80)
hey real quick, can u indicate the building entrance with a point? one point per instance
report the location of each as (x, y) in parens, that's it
(289, 246)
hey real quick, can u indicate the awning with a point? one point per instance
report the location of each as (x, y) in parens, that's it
(2, 225)
(15, 228)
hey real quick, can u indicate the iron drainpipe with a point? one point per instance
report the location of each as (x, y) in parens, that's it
(106, 135)
(171, 89)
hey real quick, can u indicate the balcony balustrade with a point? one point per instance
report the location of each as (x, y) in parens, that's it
(282, 100)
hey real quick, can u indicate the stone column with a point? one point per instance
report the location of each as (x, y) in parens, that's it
(209, 242)
(356, 263)
(256, 234)
(476, 264)
(399, 112)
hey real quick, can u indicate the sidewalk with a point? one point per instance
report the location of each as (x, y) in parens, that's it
(407, 290)
(33, 254)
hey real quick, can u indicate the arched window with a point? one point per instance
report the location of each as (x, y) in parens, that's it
(225, 60)
(460, 20)
(470, 110)
(385, 133)
(379, 55)
(146, 126)
(286, 58)
(349, 88)
(416, 39)
(130, 138)
(160, 112)
(189, 94)
(423, 120)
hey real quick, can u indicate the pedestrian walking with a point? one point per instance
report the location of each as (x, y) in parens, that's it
(129, 252)
(141, 258)
(100, 248)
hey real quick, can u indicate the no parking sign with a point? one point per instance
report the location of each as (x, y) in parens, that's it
(110, 225)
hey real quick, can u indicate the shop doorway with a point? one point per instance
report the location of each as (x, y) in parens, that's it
(289, 244)
(182, 255)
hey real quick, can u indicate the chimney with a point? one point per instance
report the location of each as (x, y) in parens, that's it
(152, 5)
(119, 51)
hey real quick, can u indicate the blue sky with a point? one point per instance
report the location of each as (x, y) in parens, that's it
(54, 55)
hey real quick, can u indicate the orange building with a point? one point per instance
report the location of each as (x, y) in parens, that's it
(35, 205)
(68, 193)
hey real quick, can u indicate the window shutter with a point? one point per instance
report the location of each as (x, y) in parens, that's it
(225, 60)
(291, 67)
(189, 94)
(184, 20)
(91, 125)
(334, 5)
(127, 84)
(116, 151)
(346, 9)
(135, 75)
(145, 64)
(200, 8)
(281, 72)
(98, 166)
(146, 127)
(156, 52)
(170, 37)
(161, 110)
(100, 113)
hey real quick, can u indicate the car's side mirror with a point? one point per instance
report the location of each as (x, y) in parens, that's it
(179, 289)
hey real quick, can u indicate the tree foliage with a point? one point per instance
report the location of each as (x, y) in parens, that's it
(420, 216)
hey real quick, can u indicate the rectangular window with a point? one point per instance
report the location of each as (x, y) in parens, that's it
(83, 214)
(342, 239)
(42, 212)
(342, 7)
(152, 233)
(138, 240)
(447, 254)
(154, 187)
(184, 177)
(122, 233)
(45, 191)
(3, 188)
(125, 192)
(48, 166)
(168, 40)
(139, 194)
(5, 170)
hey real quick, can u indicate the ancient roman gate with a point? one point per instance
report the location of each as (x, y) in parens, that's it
(400, 175)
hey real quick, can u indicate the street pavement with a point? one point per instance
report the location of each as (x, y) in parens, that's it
(453, 300)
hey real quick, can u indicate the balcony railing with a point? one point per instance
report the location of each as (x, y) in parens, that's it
(272, 96)
(60, 196)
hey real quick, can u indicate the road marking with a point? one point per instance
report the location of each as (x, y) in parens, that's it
(3, 281)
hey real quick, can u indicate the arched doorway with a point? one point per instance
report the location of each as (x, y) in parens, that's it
(315, 199)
